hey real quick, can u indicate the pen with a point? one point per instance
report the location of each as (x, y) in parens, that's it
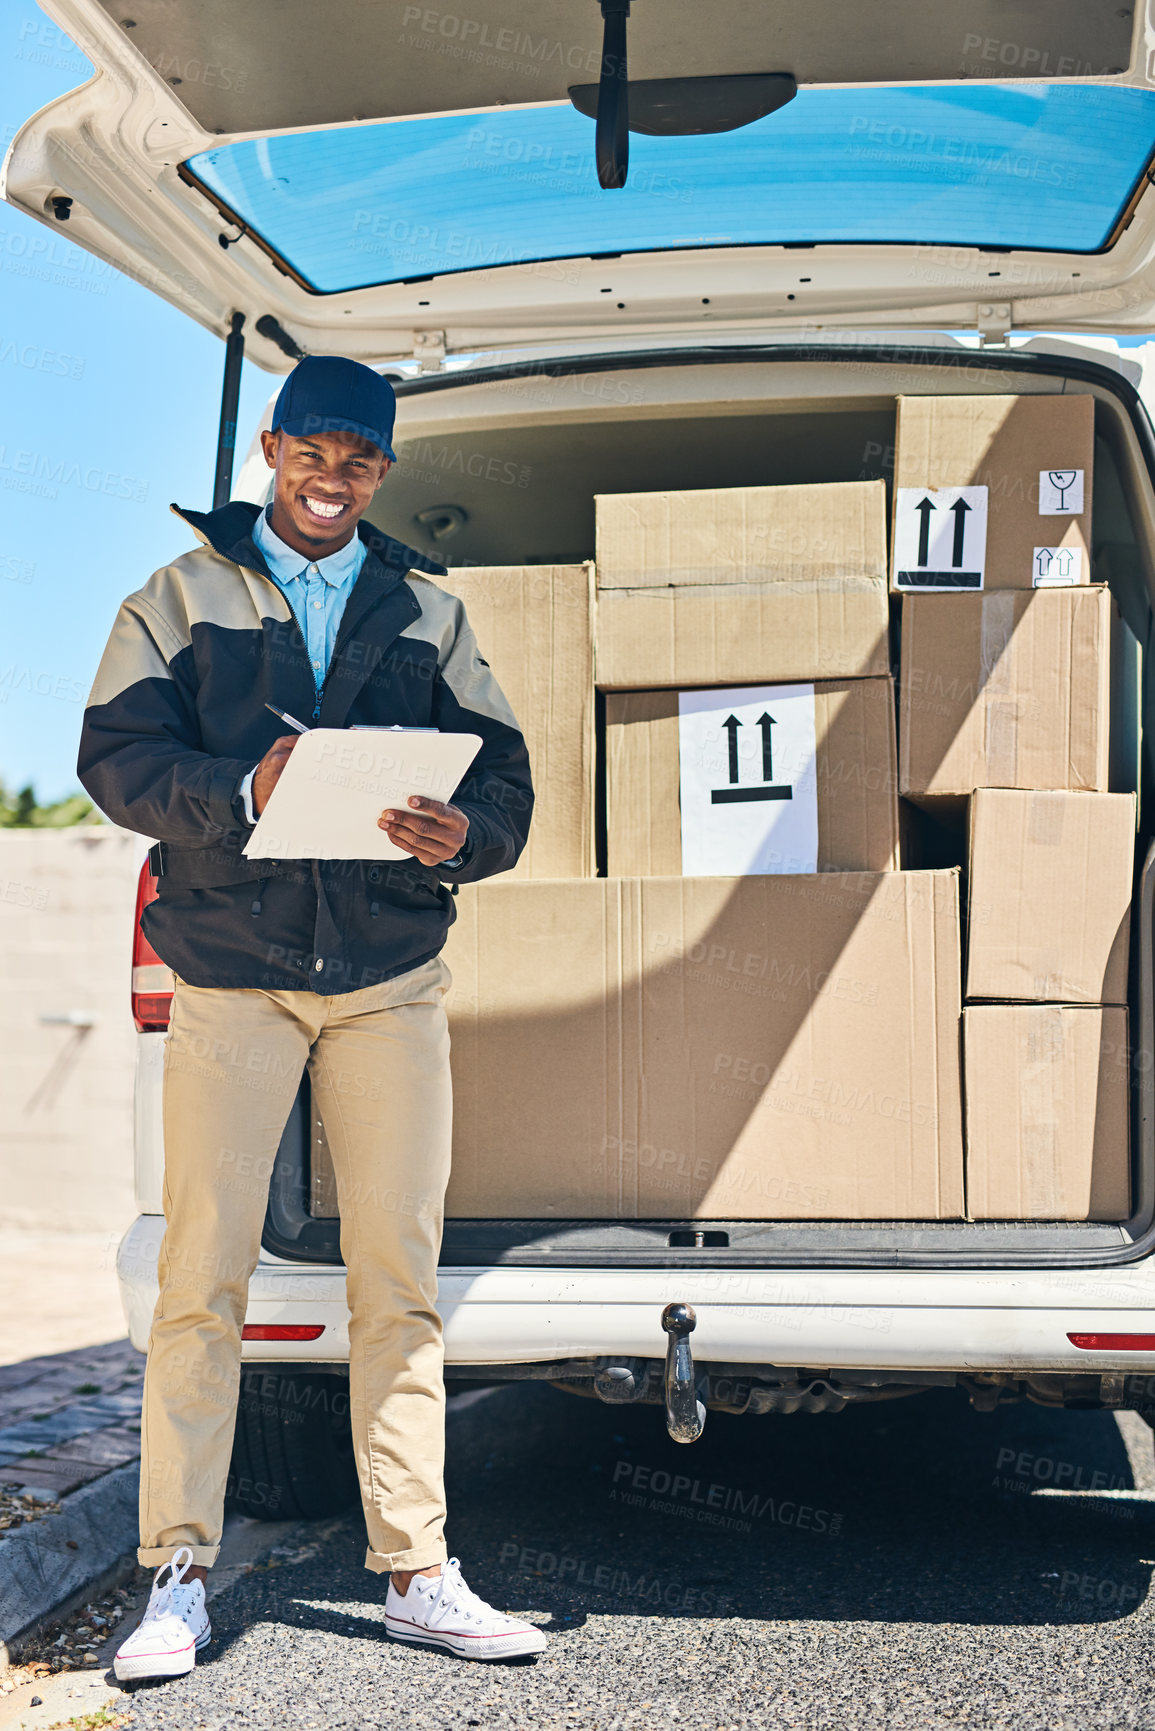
(288, 719)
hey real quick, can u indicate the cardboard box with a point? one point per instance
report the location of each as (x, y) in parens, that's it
(857, 780)
(1047, 1107)
(992, 492)
(1050, 896)
(534, 626)
(1010, 689)
(741, 585)
(708, 1048)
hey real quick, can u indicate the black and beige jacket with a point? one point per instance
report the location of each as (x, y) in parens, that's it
(177, 718)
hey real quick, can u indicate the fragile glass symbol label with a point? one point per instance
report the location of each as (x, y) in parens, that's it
(1060, 492)
(940, 537)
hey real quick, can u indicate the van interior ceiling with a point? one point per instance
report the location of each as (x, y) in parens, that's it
(524, 494)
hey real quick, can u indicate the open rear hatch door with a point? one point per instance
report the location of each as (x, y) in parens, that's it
(391, 180)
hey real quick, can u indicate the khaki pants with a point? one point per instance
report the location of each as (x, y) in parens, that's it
(378, 1063)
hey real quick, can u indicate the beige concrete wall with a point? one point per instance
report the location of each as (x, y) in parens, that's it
(66, 905)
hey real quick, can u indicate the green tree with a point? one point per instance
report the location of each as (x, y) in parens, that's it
(22, 810)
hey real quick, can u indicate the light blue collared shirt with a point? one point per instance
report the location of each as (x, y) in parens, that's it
(316, 590)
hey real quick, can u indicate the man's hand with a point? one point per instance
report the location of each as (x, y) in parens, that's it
(437, 834)
(268, 772)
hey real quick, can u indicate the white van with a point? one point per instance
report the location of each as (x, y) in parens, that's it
(826, 207)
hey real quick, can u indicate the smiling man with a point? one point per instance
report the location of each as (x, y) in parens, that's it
(293, 965)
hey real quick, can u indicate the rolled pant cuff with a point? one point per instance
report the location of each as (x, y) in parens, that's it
(421, 1557)
(152, 1556)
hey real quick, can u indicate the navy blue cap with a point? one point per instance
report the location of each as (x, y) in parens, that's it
(330, 394)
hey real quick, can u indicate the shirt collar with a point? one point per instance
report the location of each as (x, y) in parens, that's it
(287, 564)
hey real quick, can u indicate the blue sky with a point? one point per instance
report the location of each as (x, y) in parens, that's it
(108, 384)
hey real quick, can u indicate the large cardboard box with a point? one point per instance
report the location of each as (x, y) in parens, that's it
(992, 492)
(708, 1048)
(741, 585)
(534, 626)
(1050, 896)
(1010, 689)
(1047, 1112)
(856, 780)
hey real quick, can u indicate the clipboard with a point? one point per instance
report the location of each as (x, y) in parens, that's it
(339, 780)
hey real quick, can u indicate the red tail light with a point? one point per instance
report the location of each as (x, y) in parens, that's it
(151, 979)
(1113, 1342)
(282, 1331)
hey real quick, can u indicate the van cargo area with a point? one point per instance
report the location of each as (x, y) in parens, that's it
(711, 1065)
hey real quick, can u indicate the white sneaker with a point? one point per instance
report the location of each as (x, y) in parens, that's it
(440, 1611)
(174, 1628)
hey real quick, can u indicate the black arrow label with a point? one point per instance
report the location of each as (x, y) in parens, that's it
(732, 724)
(952, 576)
(960, 509)
(735, 795)
(766, 723)
(924, 509)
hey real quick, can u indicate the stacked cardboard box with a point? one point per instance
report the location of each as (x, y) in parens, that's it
(775, 1040)
(1047, 1104)
(741, 585)
(851, 777)
(992, 492)
(1017, 707)
(783, 586)
(756, 1015)
(1050, 896)
(1045, 1029)
(1017, 689)
(534, 626)
(708, 1048)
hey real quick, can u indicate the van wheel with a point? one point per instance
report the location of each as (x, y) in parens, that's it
(293, 1446)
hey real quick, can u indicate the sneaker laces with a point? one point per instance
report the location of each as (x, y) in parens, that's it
(452, 1594)
(177, 1594)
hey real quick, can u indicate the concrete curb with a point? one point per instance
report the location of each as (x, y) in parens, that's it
(47, 1561)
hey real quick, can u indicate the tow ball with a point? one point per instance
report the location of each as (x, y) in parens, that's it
(685, 1413)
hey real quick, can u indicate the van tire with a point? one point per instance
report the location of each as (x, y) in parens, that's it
(293, 1446)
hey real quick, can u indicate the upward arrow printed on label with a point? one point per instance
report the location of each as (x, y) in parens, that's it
(924, 509)
(960, 509)
(732, 724)
(940, 537)
(730, 801)
(766, 723)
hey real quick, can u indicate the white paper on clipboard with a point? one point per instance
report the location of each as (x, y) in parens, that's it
(338, 782)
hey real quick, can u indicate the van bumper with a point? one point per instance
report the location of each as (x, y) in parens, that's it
(825, 1319)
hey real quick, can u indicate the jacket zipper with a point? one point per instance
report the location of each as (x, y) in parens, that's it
(318, 692)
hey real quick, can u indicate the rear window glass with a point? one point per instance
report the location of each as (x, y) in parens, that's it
(1044, 167)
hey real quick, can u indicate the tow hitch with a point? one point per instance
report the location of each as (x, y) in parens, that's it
(685, 1413)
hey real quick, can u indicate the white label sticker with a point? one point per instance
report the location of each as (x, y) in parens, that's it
(749, 785)
(940, 537)
(1056, 567)
(1060, 492)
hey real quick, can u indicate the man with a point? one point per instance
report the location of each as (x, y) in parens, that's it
(293, 964)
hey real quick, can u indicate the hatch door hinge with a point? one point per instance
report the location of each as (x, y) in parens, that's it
(994, 322)
(429, 350)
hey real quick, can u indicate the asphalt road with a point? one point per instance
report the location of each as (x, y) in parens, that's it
(889, 1566)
